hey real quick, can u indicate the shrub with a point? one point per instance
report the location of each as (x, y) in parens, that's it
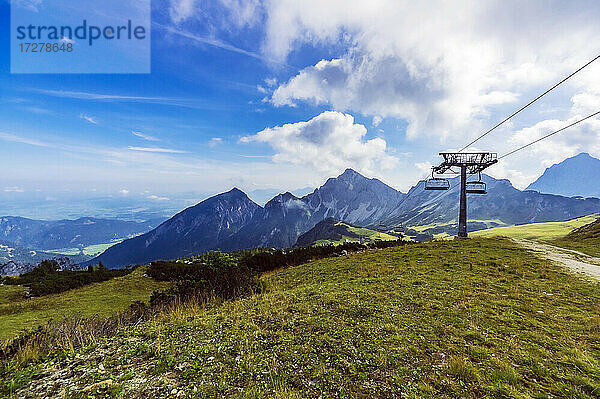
(264, 260)
(47, 279)
(214, 274)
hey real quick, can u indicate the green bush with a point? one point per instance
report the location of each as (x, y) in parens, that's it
(260, 261)
(212, 274)
(222, 275)
(47, 279)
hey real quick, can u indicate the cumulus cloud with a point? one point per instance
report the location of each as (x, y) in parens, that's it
(444, 67)
(329, 142)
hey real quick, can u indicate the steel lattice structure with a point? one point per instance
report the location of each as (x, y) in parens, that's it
(469, 163)
(475, 162)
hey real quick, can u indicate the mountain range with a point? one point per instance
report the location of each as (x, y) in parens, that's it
(50, 235)
(575, 176)
(231, 221)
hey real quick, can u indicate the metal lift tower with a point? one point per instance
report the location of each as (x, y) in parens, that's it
(469, 163)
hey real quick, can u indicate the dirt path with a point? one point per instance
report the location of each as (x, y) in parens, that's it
(573, 260)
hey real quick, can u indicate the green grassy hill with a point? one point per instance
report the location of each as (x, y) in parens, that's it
(537, 231)
(585, 239)
(476, 318)
(102, 299)
(332, 231)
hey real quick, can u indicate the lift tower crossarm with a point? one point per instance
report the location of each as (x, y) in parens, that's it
(475, 162)
(469, 163)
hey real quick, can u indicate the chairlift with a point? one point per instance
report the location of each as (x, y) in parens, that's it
(476, 187)
(437, 183)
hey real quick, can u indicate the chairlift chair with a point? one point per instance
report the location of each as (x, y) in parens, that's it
(476, 187)
(437, 183)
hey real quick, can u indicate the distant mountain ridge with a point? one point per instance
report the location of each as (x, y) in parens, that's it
(194, 230)
(49, 235)
(575, 176)
(231, 221)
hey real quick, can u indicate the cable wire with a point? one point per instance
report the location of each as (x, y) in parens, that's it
(528, 104)
(549, 135)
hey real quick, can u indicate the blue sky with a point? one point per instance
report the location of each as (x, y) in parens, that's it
(280, 95)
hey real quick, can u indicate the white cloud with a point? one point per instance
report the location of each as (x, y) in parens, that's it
(111, 97)
(144, 136)
(31, 5)
(584, 137)
(23, 140)
(88, 118)
(180, 10)
(243, 12)
(377, 120)
(157, 198)
(215, 141)
(124, 192)
(239, 12)
(155, 149)
(330, 142)
(261, 89)
(210, 41)
(424, 167)
(445, 67)
(13, 190)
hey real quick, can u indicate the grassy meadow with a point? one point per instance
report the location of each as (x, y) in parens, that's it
(446, 319)
(103, 299)
(537, 231)
(359, 234)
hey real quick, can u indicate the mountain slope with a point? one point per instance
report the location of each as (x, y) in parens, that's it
(277, 225)
(585, 239)
(503, 205)
(353, 198)
(195, 230)
(576, 176)
(331, 230)
(47, 235)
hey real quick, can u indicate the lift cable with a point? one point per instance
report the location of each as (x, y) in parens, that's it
(409, 193)
(549, 135)
(530, 103)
